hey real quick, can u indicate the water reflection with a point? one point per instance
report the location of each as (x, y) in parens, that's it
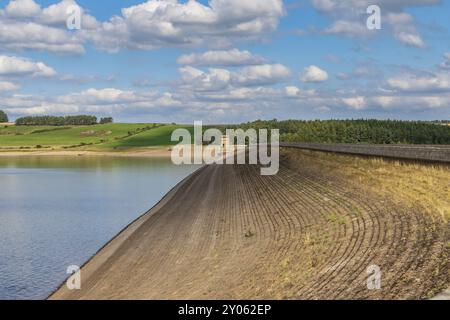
(58, 211)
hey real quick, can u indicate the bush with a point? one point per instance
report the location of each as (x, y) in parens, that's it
(106, 120)
(3, 116)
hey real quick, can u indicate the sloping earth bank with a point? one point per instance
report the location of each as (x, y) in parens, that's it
(229, 233)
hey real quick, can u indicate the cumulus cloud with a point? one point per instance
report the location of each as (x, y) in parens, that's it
(155, 24)
(54, 15)
(19, 36)
(232, 57)
(219, 79)
(349, 18)
(196, 79)
(348, 28)
(399, 102)
(252, 87)
(295, 92)
(8, 86)
(446, 63)
(419, 103)
(356, 103)
(22, 8)
(402, 25)
(57, 14)
(24, 25)
(17, 66)
(292, 91)
(93, 100)
(420, 82)
(313, 74)
(351, 7)
(261, 75)
(230, 104)
(99, 97)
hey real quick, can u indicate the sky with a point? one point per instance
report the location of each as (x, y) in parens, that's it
(225, 61)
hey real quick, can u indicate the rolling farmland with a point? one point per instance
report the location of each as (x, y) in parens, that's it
(105, 137)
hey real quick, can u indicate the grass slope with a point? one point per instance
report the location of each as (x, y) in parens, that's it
(414, 183)
(108, 136)
(160, 136)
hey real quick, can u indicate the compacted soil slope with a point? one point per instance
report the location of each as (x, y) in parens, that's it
(227, 232)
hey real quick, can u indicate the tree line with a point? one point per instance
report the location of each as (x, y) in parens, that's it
(358, 131)
(80, 120)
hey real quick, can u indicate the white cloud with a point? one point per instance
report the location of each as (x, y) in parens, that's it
(402, 25)
(56, 15)
(93, 100)
(261, 75)
(349, 18)
(44, 109)
(295, 92)
(356, 103)
(313, 74)
(232, 57)
(53, 15)
(197, 80)
(292, 91)
(32, 36)
(410, 39)
(17, 66)
(348, 28)
(350, 7)
(24, 25)
(219, 79)
(154, 24)
(446, 62)
(8, 86)
(105, 96)
(420, 82)
(412, 102)
(230, 104)
(22, 8)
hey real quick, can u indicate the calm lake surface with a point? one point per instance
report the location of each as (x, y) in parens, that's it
(59, 211)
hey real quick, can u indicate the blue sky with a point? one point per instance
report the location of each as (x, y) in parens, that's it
(226, 60)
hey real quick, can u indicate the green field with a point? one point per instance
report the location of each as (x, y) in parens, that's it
(159, 136)
(119, 136)
(124, 136)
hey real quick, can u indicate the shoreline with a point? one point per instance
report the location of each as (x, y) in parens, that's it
(109, 248)
(144, 153)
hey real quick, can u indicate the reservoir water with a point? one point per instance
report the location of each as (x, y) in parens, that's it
(59, 211)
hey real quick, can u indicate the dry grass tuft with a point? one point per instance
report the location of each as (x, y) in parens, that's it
(427, 185)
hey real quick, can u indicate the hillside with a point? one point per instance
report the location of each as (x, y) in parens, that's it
(105, 137)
